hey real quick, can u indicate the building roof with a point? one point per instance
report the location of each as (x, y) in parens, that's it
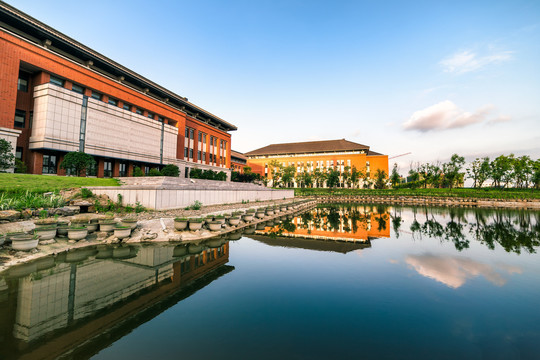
(238, 155)
(23, 25)
(308, 147)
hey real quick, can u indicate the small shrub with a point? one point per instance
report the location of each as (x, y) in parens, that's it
(137, 172)
(195, 206)
(85, 193)
(170, 170)
(154, 172)
(20, 167)
(139, 208)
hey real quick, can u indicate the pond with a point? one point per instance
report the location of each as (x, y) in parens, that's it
(339, 281)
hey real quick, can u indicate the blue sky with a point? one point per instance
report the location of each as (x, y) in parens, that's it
(427, 77)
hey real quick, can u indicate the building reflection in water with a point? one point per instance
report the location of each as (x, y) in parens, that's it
(339, 222)
(55, 305)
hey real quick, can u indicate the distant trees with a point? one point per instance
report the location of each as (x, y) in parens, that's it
(504, 171)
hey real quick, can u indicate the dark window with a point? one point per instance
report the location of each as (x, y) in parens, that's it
(215, 142)
(19, 153)
(186, 133)
(146, 170)
(77, 88)
(150, 115)
(200, 136)
(107, 168)
(49, 164)
(113, 101)
(31, 119)
(96, 95)
(139, 111)
(191, 133)
(198, 155)
(186, 172)
(191, 153)
(56, 81)
(126, 106)
(204, 156)
(204, 138)
(20, 117)
(22, 82)
(160, 119)
(122, 169)
(185, 152)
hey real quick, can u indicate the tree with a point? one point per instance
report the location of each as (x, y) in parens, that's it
(380, 179)
(522, 170)
(451, 170)
(346, 175)
(535, 177)
(137, 172)
(77, 162)
(479, 171)
(356, 175)
(276, 169)
(288, 174)
(501, 168)
(395, 178)
(170, 170)
(6, 155)
(332, 177)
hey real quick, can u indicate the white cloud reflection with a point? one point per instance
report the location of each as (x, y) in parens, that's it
(454, 271)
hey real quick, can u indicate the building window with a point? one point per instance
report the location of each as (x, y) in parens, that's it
(200, 136)
(19, 153)
(191, 153)
(198, 155)
(113, 101)
(22, 82)
(56, 81)
(204, 138)
(150, 115)
(77, 88)
(146, 170)
(107, 168)
(20, 117)
(96, 95)
(185, 152)
(122, 169)
(160, 119)
(139, 111)
(191, 134)
(204, 156)
(126, 106)
(186, 133)
(49, 164)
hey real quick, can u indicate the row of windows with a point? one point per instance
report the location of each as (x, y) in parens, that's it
(99, 96)
(20, 119)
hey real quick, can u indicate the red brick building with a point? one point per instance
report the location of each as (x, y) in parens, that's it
(57, 96)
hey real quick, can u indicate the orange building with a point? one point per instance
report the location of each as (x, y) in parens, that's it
(238, 161)
(318, 156)
(58, 96)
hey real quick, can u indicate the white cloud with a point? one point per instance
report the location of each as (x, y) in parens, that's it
(446, 115)
(467, 61)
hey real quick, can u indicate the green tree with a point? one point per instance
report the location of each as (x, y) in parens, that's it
(479, 171)
(522, 170)
(170, 170)
(77, 162)
(356, 175)
(395, 178)
(137, 172)
(332, 177)
(276, 169)
(501, 169)
(346, 176)
(6, 155)
(535, 176)
(288, 174)
(380, 179)
(451, 171)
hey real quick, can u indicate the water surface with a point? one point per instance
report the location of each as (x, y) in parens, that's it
(416, 283)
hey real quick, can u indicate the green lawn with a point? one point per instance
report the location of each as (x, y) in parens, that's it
(485, 193)
(21, 183)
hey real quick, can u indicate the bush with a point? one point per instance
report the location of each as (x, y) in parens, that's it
(196, 206)
(170, 170)
(85, 193)
(77, 162)
(137, 172)
(154, 172)
(20, 167)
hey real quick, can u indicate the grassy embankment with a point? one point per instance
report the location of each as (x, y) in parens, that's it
(23, 191)
(484, 193)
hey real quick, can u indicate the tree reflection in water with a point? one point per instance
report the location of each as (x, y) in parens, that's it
(513, 230)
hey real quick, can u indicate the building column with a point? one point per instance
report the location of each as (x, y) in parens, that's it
(60, 171)
(35, 163)
(100, 168)
(116, 168)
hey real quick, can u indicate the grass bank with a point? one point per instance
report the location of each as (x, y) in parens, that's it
(484, 193)
(24, 191)
(39, 184)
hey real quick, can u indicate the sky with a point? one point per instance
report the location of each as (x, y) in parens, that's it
(431, 78)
